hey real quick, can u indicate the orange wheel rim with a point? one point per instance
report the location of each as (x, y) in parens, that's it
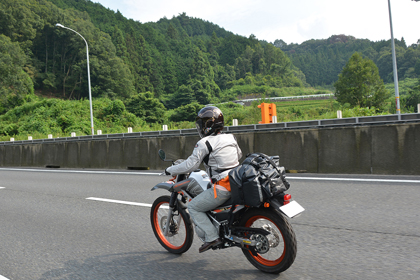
(259, 257)
(159, 230)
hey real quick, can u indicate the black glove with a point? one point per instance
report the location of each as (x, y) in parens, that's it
(166, 172)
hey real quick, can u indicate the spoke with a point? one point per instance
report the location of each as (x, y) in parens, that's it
(275, 240)
(177, 231)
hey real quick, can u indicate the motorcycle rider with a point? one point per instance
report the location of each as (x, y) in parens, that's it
(220, 153)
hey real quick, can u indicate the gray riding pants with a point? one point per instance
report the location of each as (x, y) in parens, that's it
(203, 203)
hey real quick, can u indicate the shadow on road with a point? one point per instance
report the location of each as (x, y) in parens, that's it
(149, 265)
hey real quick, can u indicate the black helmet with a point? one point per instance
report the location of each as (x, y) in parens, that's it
(209, 121)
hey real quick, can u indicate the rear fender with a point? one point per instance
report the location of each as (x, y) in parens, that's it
(274, 204)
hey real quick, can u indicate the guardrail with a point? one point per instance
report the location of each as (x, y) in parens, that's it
(287, 97)
(243, 101)
(372, 120)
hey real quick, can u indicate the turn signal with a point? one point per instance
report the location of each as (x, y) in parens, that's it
(286, 198)
(266, 204)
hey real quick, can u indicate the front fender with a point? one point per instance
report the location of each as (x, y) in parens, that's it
(164, 185)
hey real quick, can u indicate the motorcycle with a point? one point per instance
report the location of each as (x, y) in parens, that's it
(264, 234)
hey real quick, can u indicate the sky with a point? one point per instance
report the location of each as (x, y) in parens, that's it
(292, 21)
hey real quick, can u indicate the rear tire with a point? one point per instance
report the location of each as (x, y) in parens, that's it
(180, 234)
(277, 251)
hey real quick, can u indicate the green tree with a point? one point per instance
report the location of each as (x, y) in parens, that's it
(171, 32)
(18, 22)
(224, 76)
(243, 64)
(15, 83)
(359, 84)
(119, 42)
(169, 76)
(202, 78)
(410, 102)
(147, 107)
(184, 95)
(186, 113)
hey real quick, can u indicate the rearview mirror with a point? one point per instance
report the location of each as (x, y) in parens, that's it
(162, 155)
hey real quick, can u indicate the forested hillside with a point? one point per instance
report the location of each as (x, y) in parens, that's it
(322, 60)
(180, 60)
(146, 74)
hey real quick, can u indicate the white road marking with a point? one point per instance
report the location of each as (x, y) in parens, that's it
(356, 179)
(3, 278)
(158, 174)
(2, 188)
(124, 202)
(81, 171)
(120, 201)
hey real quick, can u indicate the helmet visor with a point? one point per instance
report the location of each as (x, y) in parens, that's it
(199, 126)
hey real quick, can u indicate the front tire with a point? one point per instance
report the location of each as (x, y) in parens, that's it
(277, 251)
(180, 235)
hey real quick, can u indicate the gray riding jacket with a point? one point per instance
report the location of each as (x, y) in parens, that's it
(219, 153)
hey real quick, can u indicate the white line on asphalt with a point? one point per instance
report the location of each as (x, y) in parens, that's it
(356, 180)
(158, 174)
(81, 171)
(120, 201)
(123, 202)
(3, 278)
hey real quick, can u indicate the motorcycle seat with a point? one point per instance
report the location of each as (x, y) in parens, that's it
(227, 203)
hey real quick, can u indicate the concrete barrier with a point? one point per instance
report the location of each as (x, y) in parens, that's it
(375, 149)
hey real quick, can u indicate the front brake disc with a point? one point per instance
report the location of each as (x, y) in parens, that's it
(163, 226)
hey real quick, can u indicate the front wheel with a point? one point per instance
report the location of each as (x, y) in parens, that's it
(180, 233)
(276, 251)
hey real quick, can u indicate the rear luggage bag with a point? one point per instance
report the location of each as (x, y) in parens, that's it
(257, 179)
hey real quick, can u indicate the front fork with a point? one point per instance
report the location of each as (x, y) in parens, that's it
(172, 207)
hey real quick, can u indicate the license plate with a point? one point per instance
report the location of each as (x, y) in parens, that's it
(292, 209)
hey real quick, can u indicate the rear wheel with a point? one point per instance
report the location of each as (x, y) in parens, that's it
(276, 251)
(180, 233)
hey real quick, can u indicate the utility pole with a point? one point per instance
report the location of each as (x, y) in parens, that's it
(394, 63)
(88, 74)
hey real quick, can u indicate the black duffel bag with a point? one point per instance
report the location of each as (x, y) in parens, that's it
(257, 179)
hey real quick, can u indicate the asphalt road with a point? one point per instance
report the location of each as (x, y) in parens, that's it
(368, 228)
